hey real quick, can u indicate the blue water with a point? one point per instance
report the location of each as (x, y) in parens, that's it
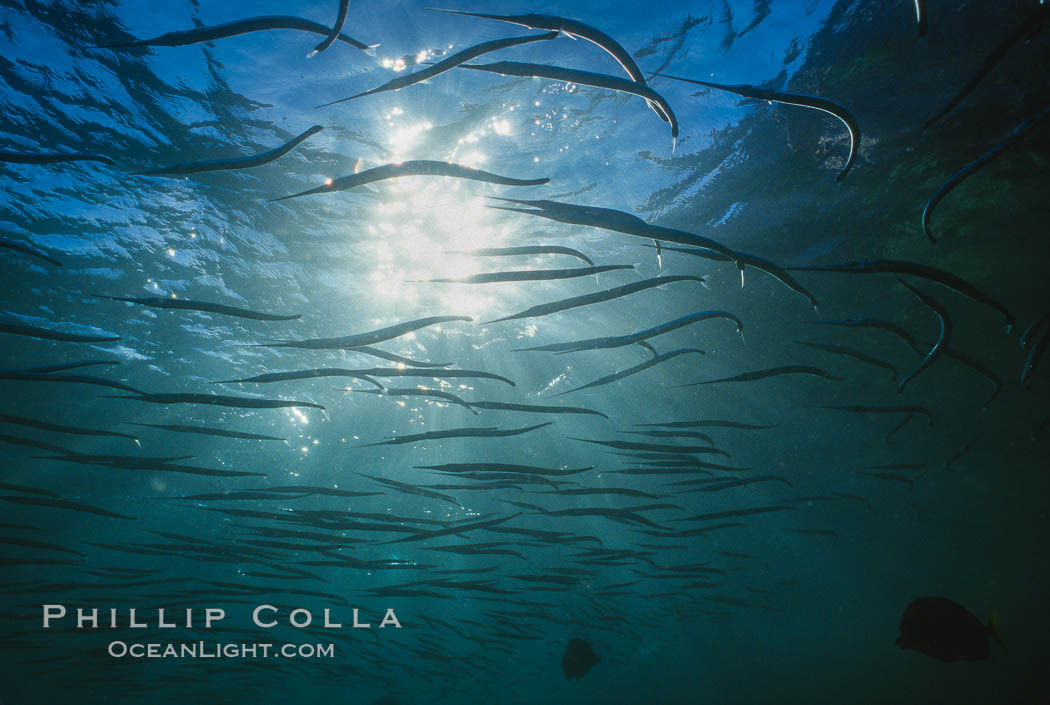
(794, 606)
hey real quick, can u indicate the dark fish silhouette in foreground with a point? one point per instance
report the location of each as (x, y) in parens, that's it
(208, 431)
(923, 271)
(622, 340)
(585, 78)
(579, 658)
(340, 20)
(656, 359)
(1026, 31)
(597, 297)
(803, 101)
(385, 700)
(263, 23)
(943, 338)
(417, 167)
(525, 250)
(48, 334)
(205, 306)
(945, 630)
(27, 250)
(770, 372)
(447, 64)
(10, 157)
(710, 423)
(529, 275)
(959, 176)
(574, 29)
(184, 168)
(921, 17)
(220, 400)
(362, 339)
(487, 432)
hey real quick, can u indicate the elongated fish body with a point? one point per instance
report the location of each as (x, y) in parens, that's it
(367, 374)
(924, 271)
(447, 64)
(418, 167)
(48, 334)
(534, 408)
(855, 354)
(804, 101)
(391, 357)
(585, 78)
(744, 259)
(205, 306)
(340, 20)
(635, 369)
(1026, 30)
(27, 250)
(486, 432)
(11, 157)
(58, 428)
(221, 400)
(237, 27)
(770, 372)
(598, 297)
(526, 250)
(227, 164)
(942, 339)
(578, 29)
(529, 275)
(614, 220)
(622, 340)
(207, 431)
(68, 379)
(968, 170)
(364, 339)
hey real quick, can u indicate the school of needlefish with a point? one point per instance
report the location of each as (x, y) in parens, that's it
(629, 522)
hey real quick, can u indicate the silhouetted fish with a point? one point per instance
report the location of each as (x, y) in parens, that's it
(49, 157)
(48, 334)
(804, 101)
(263, 23)
(945, 630)
(340, 19)
(205, 306)
(228, 164)
(27, 250)
(579, 658)
(447, 64)
(418, 167)
(363, 339)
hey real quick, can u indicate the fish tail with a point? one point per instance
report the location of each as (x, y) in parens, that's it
(995, 631)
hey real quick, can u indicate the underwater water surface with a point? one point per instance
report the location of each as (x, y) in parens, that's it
(722, 478)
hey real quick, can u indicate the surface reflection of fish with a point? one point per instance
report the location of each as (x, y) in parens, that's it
(578, 659)
(945, 630)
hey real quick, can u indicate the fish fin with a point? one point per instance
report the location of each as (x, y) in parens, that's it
(311, 54)
(995, 631)
(562, 34)
(371, 50)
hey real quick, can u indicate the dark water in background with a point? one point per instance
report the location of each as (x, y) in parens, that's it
(816, 613)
